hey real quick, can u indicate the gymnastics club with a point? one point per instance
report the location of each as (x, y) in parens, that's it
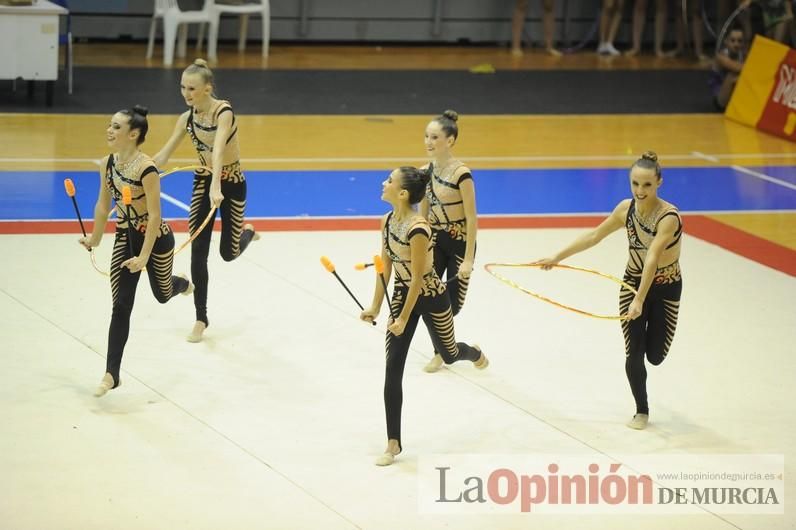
(69, 186)
(127, 200)
(363, 266)
(329, 266)
(379, 265)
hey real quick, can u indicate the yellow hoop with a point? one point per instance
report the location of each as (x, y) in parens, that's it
(184, 168)
(210, 215)
(94, 263)
(191, 237)
(488, 267)
(198, 231)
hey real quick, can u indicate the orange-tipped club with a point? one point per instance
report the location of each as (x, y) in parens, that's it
(329, 266)
(69, 186)
(127, 196)
(362, 266)
(378, 264)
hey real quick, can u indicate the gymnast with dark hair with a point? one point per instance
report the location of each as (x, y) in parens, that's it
(417, 292)
(449, 206)
(212, 127)
(654, 229)
(142, 240)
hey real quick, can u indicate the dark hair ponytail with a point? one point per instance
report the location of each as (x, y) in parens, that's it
(137, 120)
(415, 182)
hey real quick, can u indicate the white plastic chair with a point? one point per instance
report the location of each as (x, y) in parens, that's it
(173, 17)
(255, 7)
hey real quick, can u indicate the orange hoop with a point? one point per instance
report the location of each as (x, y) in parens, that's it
(489, 266)
(191, 237)
(210, 215)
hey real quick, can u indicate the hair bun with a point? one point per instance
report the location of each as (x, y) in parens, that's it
(200, 62)
(451, 115)
(139, 109)
(650, 155)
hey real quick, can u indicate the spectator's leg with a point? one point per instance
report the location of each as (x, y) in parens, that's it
(608, 15)
(679, 31)
(616, 19)
(660, 26)
(604, 22)
(695, 16)
(517, 25)
(549, 23)
(639, 18)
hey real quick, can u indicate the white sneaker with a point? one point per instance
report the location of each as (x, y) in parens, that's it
(602, 49)
(639, 421)
(611, 50)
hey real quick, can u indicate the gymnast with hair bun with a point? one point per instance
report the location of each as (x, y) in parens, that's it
(212, 127)
(143, 239)
(654, 229)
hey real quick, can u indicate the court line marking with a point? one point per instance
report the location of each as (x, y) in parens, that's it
(703, 156)
(694, 155)
(485, 216)
(763, 176)
(746, 170)
(195, 417)
(467, 377)
(176, 202)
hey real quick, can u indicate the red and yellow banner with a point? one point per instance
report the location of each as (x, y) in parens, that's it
(765, 95)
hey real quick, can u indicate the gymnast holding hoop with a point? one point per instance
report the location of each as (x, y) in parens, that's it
(212, 127)
(654, 229)
(143, 238)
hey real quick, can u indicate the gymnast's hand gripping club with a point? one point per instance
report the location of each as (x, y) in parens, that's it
(69, 186)
(329, 266)
(379, 265)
